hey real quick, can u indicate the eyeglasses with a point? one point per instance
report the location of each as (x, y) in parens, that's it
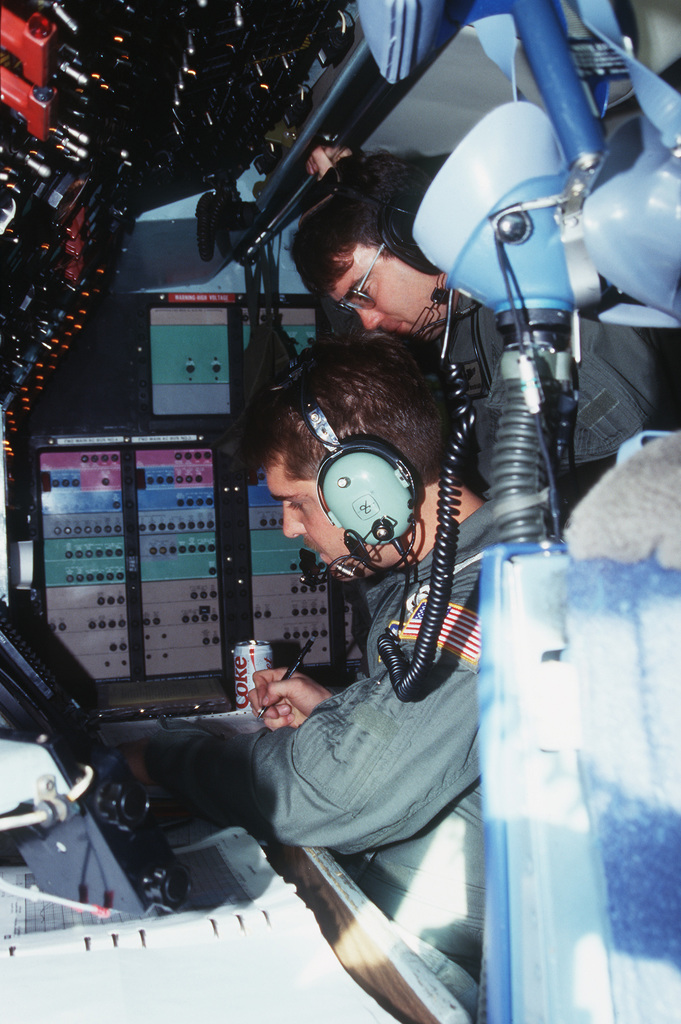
(355, 298)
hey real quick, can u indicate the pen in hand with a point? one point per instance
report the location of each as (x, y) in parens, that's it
(289, 672)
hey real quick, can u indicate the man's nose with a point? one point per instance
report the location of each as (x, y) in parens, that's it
(291, 525)
(371, 318)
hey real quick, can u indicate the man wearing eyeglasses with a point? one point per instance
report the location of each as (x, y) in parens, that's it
(389, 294)
(341, 255)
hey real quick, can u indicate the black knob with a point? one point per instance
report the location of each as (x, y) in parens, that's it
(167, 885)
(123, 803)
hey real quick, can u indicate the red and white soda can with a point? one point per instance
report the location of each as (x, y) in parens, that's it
(249, 657)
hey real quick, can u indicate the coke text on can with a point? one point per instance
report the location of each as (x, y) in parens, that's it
(249, 656)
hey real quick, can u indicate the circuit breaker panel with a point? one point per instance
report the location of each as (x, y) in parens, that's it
(156, 551)
(178, 561)
(111, 384)
(84, 557)
(130, 560)
(283, 607)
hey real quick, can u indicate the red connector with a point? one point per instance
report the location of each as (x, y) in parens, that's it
(33, 42)
(35, 103)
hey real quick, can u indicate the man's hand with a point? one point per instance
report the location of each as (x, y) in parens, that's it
(323, 158)
(288, 701)
(134, 752)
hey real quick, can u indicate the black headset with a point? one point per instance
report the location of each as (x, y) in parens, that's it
(396, 224)
(395, 217)
(364, 484)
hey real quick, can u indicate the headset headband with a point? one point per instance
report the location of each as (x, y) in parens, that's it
(395, 217)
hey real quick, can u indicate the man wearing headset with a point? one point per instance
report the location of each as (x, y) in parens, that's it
(392, 787)
(354, 249)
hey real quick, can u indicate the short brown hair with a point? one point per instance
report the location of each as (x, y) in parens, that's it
(364, 384)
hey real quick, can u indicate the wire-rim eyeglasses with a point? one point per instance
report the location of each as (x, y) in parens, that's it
(355, 298)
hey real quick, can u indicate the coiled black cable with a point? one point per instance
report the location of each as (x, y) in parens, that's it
(409, 681)
(207, 209)
(221, 208)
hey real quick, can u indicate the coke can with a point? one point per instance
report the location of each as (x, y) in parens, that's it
(249, 657)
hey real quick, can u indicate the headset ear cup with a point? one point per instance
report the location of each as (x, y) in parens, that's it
(396, 225)
(365, 488)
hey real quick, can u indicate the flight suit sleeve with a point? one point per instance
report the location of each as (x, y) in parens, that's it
(363, 770)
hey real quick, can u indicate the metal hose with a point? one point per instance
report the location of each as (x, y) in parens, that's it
(517, 471)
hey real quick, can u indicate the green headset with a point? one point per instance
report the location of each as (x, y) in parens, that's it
(365, 486)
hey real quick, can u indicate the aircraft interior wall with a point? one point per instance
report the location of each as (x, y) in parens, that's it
(152, 173)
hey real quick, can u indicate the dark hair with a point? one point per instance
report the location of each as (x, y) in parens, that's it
(327, 235)
(364, 384)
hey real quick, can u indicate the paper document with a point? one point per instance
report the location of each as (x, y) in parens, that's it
(246, 947)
